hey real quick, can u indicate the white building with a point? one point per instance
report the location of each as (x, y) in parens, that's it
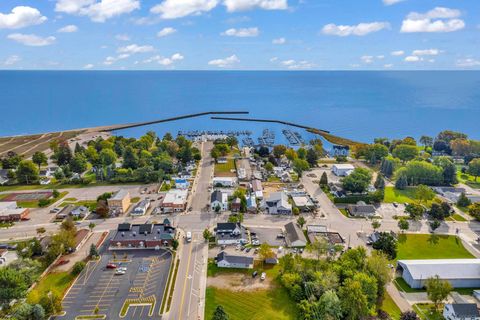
(342, 169)
(461, 273)
(219, 199)
(224, 181)
(175, 201)
(257, 188)
(141, 208)
(461, 311)
(230, 233)
(277, 203)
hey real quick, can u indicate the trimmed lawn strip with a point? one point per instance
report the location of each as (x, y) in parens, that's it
(426, 311)
(34, 203)
(169, 282)
(225, 169)
(170, 295)
(91, 204)
(430, 246)
(456, 217)
(391, 307)
(57, 282)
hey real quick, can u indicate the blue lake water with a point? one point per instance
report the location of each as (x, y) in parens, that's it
(357, 105)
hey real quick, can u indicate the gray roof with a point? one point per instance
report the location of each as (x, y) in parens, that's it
(223, 256)
(294, 233)
(126, 231)
(120, 194)
(361, 209)
(216, 196)
(465, 310)
(447, 269)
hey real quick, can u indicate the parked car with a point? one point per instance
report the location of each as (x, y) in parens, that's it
(263, 276)
(254, 274)
(111, 266)
(248, 249)
(120, 272)
(280, 236)
(61, 262)
(395, 204)
(55, 210)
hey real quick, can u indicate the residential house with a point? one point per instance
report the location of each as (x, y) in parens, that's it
(230, 233)
(251, 204)
(143, 236)
(361, 209)
(461, 311)
(181, 184)
(119, 203)
(79, 212)
(257, 188)
(342, 169)
(141, 208)
(294, 236)
(175, 201)
(277, 203)
(219, 199)
(225, 260)
(224, 182)
(303, 202)
(236, 204)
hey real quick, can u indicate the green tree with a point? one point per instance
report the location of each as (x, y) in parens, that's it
(319, 247)
(12, 283)
(78, 267)
(474, 168)
(401, 183)
(434, 225)
(405, 152)
(376, 224)
(358, 181)
(27, 172)
(175, 244)
(409, 315)
(377, 266)
(108, 157)
(279, 150)
(37, 312)
(265, 251)
(330, 306)
(291, 154)
(312, 157)
(220, 314)
(93, 251)
(437, 290)
(375, 152)
(387, 244)
(403, 224)
(130, 158)
(379, 182)
(63, 154)
(354, 300)
(324, 179)
(301, 221)
(426, 141)
(369, 287)
(269, 167)
(302, 153)
(474, 210)
(296, 211)
(207, 234)
(463, 201)
(39, 158)
(424, 194)
(78, 163)
(421, 172)
(415, 211)
(300, 165)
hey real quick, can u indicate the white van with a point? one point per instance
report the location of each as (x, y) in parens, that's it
(189, 236)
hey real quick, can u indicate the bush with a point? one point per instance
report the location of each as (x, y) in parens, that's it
(43, 203)
(78, 267)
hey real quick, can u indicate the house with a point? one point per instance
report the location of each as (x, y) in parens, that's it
(286, 176)
(225, 260)
(219, 199)
(242, 174)
(141, 208)
(251, 204)
(80, 238)
(342, 169)
(119, 203)
(3, 176)
(236, 204)
(224, 181)
(294, 236)
(340, 151)
(79, 212)
(230, 233)
(175, 201)
(143, 236)
(303, 202)
(461, 311)
(65, 212)
(361, 209)
(257, 188)
(9, 212)
(461, 273)
(181, 184)
(277, 203)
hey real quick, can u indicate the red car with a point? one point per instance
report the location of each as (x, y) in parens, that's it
(111, 266)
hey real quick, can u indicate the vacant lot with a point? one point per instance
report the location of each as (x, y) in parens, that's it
(431, 246)
(400, 196)
(57, 283)
(225, 169)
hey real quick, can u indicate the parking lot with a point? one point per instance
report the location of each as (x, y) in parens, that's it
(137, 293)
(268, 235)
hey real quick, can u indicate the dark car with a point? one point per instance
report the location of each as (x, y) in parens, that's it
(248, 249)
(254, 274)
(111, 266)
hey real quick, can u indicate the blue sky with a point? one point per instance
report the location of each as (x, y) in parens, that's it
(240, 34)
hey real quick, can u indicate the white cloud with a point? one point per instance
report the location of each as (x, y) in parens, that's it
(98, 11)
(367, 59)
(242, 5)
(134, 48)
(380, 57)
(88, 66)
(412, 59)
(173, 9)
(467, 63)
(297, 65)
(279, 41)
(274, 59)
(122, 37)
(68, 29)
(391, 2)
(426, 52)
(164, 61)
(21, 17)
(439, 19)
(397, 53)
(226, 62)
(10, 61)
(111, 60)
(166, 31)
(31, 39)
(241, 32)
(361, 29)
(388, 66)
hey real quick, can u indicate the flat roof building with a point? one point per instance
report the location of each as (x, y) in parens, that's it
(120, 202)
(175, 201)
(143, 236)
(9, 212)
(342, 169)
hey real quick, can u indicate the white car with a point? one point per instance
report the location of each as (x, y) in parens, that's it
(120, 272)
(263, 276)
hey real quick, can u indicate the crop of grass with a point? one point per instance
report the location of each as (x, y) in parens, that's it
(34, 203)
(225, 169)
(426, 311)
(57, 283)
(401, 196)
(246, 305)
(456, 217)
(391, 307)
(431, 246)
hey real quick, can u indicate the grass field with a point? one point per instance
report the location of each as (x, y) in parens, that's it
(400, 196)
(34, 203)
(456, 217)
(468, 179)
(430, 246)
(391, 307)
(57, 282)
(426, 311)
(90, 204)
(251, 305)
(225, 169)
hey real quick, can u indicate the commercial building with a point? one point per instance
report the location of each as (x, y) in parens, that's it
(342, 169)
(230, 233)
(10, 213)
(294, 235)
(277, 203)
(461, 273)
(119, 203)
(361, 209)
(141, 208)
(303, 202)
(225, 260)
(175, 201)
(143, 236)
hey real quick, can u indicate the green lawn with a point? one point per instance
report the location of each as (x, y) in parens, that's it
(430, 246)
(402, 285)
(252, 305)
(426, 311)
(399, 196)
(90, 204)
(224, 168)
(456, 217)
(391, 307)
(468, 179)
(34, 203)
(57, 282)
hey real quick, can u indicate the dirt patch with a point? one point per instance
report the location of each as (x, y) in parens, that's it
(239, 282)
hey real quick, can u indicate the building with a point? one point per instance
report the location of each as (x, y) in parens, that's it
(3, 176)
(141, 208)
(277, 203)
(294, 235)
(175, 201)
(303, 202)
(342, 169)
(461, 273)
(9, 212)
(242, 174)
(461, 311)
(230, 233)
(143, 236)
(225, 260)
(79, 212)
(361, 209)
(236, 204)
(224, 182)
(181, 184)
(119, 203)
(219, 199)
(315, 232)
(251, 204)
(257, 188)
(452, 194)
(81, 237)
(340, 151)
